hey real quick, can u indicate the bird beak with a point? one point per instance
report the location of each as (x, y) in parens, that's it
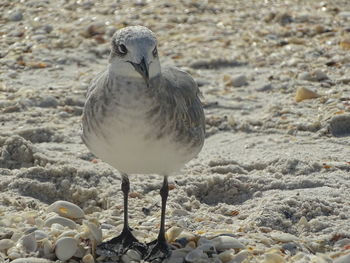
(142, 68)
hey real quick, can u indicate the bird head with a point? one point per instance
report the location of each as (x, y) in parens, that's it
(134, 53)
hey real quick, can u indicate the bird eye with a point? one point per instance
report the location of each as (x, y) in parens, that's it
(122, 49)
(155, 52)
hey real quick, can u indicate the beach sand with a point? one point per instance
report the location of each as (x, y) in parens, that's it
(273, 175)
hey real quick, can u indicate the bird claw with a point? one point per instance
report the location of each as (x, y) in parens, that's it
(157, 251)
(118, 246)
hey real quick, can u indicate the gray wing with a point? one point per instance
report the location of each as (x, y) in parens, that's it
(94, 104)
(98, 81)
(183, 94)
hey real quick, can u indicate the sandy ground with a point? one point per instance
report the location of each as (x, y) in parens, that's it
(269, 164)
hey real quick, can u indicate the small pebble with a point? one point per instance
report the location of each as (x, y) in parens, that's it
(339, 125)
(320, 75)
(239, 81)
(15, 16)
(48, 102)
(305, 76)
(305, 94)
(265, 87)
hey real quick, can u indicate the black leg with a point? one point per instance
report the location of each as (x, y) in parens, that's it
(158, 250)
(116, 247)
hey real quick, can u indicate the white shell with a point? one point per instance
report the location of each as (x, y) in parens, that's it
(195, 255)
(16, 236)
(60, 220)
(241, 256)
(40, 235)
(226, 242)
(68, 233)
(29, 242)
(133, 255)
(48, 247)
(283, 237)
(6, 244)
(273, 258)
(14, 253)
(94, 230)
(31, 260)
(88, 259)
(66, 209)
(65, 248)
(80, 253)
(226, 256)
(173, 233)
(343, 259)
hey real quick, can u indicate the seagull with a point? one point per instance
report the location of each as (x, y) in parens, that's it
(142, 118)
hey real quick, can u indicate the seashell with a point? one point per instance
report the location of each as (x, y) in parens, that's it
(207, 247)
(226, 242)
(340, 243)
(133, 255)
(186, 234)
(56, 229)
(29, 242)
(16, 236)
(48, 247)
(94, 230)
(173, 233)
(66, 248)
(6, 244)
(343, 259)
(126, 259)
(226, 256)
(31, 260)
(273, 258)
(195, 255)
(66, 209)
(203, 240)
(13, 253)
(241, 256)
(283, 237)
(39, 222)
(88, 259)
(191, 245)
(305, 94)
(40, 235)
(30, 230)
(68, 233)
(60, 220)
(81, 251)
(179, 255)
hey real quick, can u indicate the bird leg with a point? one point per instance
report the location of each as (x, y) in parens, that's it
(158, 250)
(118, 246)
